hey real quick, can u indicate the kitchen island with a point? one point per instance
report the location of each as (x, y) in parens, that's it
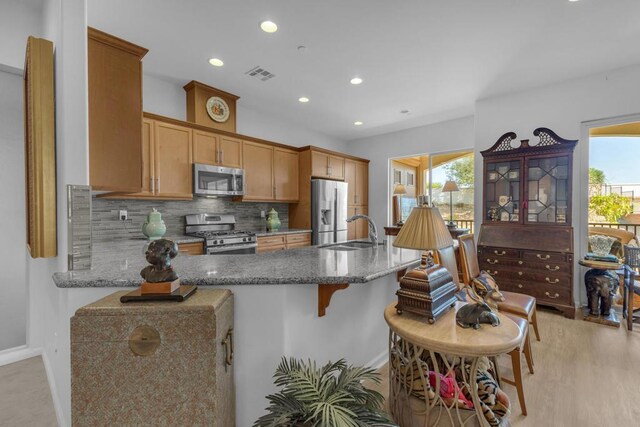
(276, 304)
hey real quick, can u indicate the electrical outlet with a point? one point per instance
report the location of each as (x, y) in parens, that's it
(262, 214)
(122, 215)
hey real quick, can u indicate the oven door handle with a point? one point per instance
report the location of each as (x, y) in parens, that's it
(223, 249)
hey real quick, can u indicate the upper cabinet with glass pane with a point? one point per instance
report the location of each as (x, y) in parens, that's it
(528, 184)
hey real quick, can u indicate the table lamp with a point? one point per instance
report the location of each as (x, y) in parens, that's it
(427, 290)
(399, 190)
(450, 187)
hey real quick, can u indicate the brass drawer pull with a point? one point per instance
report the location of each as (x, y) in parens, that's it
(547, 256)
(556, 295)
(228, 349)
(555, 267)
(552, 282)
(499, 253)
(520, 263)
(520, 273)
(495, 261)
(520, 286)
(493, 273)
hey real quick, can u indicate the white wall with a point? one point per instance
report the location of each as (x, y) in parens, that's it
(167, 98)
(19, 19)
(13, 257)
(562, 108)
(64, 22)
(452, 135)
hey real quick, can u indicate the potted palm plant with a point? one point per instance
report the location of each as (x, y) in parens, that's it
(332, 395)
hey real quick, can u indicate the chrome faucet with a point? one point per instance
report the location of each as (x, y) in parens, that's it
(373, 231)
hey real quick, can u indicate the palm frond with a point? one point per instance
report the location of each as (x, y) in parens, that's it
(329, 396)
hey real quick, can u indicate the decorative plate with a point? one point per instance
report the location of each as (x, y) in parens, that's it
(217, 109)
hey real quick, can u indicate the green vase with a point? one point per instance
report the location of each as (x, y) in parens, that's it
(273, 222)
(154, 227)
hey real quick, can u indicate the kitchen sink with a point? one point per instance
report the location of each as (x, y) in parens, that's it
(348, 246)
(339, 247)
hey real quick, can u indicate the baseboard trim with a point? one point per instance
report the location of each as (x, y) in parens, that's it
(378, 361)
(52, 387)
(17, 354)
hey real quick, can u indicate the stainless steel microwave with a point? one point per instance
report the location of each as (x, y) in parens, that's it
(217, 181)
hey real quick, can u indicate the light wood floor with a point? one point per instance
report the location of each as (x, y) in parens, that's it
(25, 397)
(585, 375)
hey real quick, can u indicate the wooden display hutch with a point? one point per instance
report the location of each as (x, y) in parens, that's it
(526, 237)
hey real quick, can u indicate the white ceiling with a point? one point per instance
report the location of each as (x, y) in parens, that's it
(432, 57)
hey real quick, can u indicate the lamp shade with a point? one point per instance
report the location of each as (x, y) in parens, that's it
(399, 189)
(450, 186)
(423, 230)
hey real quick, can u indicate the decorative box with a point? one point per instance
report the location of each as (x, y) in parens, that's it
(154, 363)
(428, 292)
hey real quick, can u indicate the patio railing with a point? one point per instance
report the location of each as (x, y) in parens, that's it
(465, 223)
(634, 228)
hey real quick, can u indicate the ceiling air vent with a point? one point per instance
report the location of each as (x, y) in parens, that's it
(260, 73)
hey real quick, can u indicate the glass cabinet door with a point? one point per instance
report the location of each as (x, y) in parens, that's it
(548, 190)
(502, 191)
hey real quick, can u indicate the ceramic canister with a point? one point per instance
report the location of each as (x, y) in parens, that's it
(273, 222)
(154, 227)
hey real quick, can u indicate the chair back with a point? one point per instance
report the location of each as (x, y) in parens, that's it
(632, 256)
(468, 258)
(447, 258)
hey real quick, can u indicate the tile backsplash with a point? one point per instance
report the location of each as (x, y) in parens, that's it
(107, 227)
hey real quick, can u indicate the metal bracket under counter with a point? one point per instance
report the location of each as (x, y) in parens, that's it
(326, 291)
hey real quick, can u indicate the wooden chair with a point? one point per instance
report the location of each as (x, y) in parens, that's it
(517, 304)
(446, 258)
(631, 285)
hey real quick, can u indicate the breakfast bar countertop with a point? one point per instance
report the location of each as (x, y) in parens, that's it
(118, 264)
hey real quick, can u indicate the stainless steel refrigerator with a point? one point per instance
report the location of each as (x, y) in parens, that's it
(328, 211)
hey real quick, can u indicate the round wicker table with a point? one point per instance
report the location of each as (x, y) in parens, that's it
(416, 347)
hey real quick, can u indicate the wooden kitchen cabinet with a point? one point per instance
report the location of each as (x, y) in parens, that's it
(217, 150)
(115, 113)
(166, 163)
(258, 171)
(270, 173)
(205, 148)
(195, 248)
(356, 174)
(173, 156)
(358, 229)
(285, 174)
(230, 152)
(281, 242)
(325, 165)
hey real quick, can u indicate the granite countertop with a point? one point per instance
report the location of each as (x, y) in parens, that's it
(264, 232)
(118, 264)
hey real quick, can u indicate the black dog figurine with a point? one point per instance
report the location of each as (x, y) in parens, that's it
(159, 254)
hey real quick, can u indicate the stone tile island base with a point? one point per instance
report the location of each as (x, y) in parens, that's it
(154, 363)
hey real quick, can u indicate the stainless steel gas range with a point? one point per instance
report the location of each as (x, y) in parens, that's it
(220, 234)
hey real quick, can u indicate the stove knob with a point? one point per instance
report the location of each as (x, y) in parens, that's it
(215, 242)
(221, 241)
(244, 239)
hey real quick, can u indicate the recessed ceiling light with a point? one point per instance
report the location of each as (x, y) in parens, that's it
(268, 26)
(303, 99)
(573, 1)
(358, 123)
(216, 62)
(356, 81)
